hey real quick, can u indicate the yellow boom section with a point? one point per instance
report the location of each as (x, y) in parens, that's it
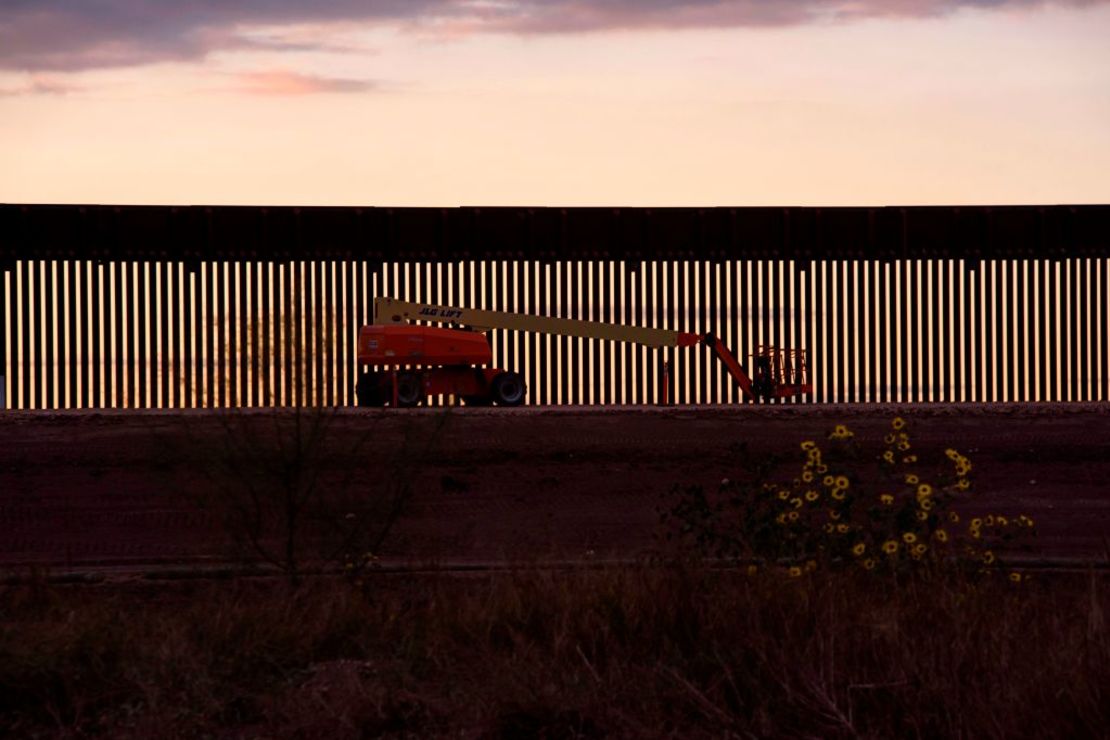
(390, 311)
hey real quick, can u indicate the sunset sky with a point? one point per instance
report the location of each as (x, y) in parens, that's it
(555, 102)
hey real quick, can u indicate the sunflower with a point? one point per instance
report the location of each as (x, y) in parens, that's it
(858, 548)
(812, 496)
(887, 499)
(941, 535)
(898, 423)
(890, 547)
(909, 538)
(795, 571)
(912, 479)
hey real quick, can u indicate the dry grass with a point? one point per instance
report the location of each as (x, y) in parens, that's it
(638, 651)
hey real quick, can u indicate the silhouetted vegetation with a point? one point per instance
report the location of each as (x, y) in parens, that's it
(631, 651)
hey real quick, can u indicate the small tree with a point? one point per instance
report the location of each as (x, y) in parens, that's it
(289, 490)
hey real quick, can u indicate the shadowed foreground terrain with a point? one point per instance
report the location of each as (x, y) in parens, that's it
(615, 652)
(665, 647)
(119, 489)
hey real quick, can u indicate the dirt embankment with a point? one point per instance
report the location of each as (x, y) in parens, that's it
(80, 488)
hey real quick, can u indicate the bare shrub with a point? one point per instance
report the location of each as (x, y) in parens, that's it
(293, 490)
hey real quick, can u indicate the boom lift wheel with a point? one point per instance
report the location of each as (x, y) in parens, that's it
(508, 389)
(409, 389)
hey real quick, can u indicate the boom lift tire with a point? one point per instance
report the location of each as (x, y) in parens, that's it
(410, 389)
(508, 389)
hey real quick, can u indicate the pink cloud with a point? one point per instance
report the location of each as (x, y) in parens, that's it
(285, 82)
(42, 84)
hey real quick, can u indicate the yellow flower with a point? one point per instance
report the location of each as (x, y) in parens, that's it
(796, 503)
(888, 456)
(941, 535)
(921, 516)
(1015, 577)
(903, 446)
(795, 571)
(838, 494)
(912, 479)
(887, 499)
(834, 515)
(1002, 521)
(780, 519)
(807, 476)
(975, 533)
(889, 439)
(989, 520)
(909, 538)
(829, 528)
(869, 564)
(953, 517)
(919, 549)
(988, 557)
(858, 549)
(842, 528)
(828, 480)
(890, 547)
(822, 469)
(927, 504)
(811, 496)
(792, 516)
(962, 484)
(808, 445)
(909, 459)
(951, 454)
(842, 481)
(898, 423)
(784, 494)
(976, 523)
(924, 490)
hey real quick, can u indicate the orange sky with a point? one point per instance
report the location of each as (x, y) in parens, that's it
(702, 102)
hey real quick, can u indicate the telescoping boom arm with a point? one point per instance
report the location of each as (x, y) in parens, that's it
(779, 373)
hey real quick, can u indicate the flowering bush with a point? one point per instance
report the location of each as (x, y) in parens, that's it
(898, 517)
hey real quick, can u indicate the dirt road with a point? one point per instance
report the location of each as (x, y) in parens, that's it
(80, 488)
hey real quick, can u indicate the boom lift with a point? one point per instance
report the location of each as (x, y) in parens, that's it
(412, 362)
